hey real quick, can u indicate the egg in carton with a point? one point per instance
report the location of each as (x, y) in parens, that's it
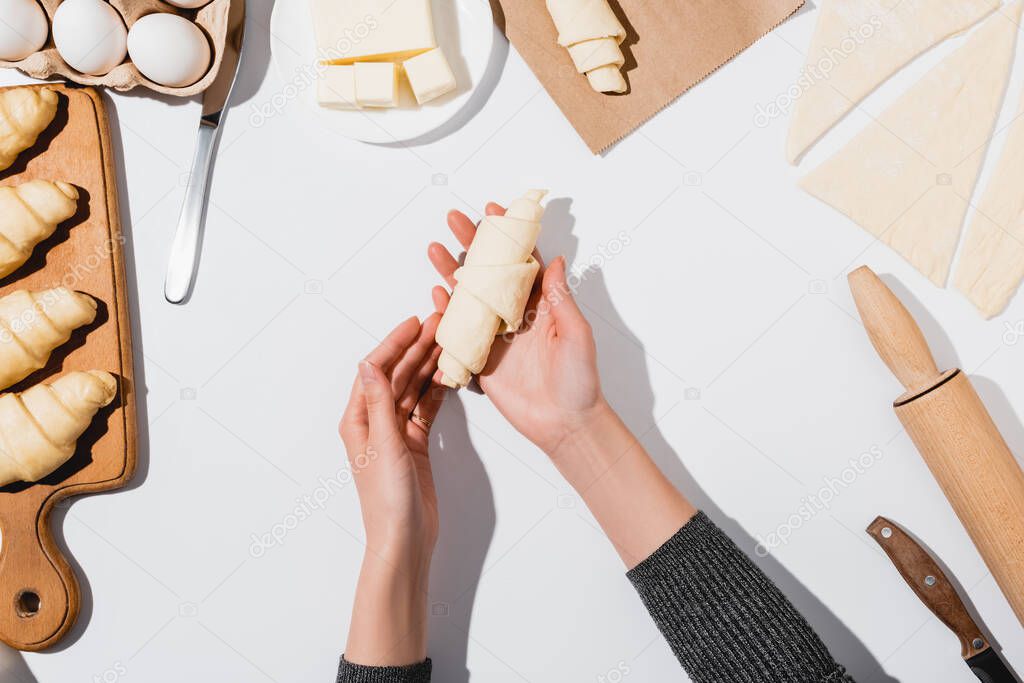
(212, 20)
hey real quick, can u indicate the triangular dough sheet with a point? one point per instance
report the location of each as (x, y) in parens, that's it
(858, 45)
(505, 289)
(908, 176)
(992, 261)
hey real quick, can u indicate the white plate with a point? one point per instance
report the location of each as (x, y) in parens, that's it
(466, 32)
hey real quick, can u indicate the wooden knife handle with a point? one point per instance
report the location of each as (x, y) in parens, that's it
(923, 574)
(893, 331)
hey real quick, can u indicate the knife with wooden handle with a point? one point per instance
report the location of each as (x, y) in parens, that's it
(924, 576)
(954, 433)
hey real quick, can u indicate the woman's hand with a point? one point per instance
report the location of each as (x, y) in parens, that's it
(543, 379)
(386, 433)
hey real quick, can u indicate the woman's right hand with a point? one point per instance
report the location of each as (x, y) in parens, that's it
(544, 378)
(544, 381)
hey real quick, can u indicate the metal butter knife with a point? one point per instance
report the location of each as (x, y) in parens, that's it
(181, 267)
(927, 580)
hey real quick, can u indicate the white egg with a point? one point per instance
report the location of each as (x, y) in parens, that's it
(189, 4)
(169, 50)
(23, 29)
(90, 35)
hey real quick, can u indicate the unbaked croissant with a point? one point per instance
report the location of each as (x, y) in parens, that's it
(29, 213)
(40, 426)
(33, 324)
(493, 287)
(24, 114)
(592, 33)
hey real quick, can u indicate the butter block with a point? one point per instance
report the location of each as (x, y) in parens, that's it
(430, 75)
(349, 31)
(376, 84)
(336, 88)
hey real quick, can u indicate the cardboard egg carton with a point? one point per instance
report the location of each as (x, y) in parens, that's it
(212, 19)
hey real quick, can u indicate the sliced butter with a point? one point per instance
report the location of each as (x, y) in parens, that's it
(430, 75)
(336, 88)
(376, 84)
(348, 31)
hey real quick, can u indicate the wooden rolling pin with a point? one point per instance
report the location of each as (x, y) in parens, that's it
(948, 423)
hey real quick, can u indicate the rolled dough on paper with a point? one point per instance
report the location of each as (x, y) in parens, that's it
(592, 33)
(580, 20)
(671, 45)
(908, 176)
(991, 263)
(492, 289)
(858, 45)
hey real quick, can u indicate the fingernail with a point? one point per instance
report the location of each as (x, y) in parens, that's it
(366, 375)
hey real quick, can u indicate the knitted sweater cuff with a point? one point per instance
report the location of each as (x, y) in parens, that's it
(723, 617)
(355, 673)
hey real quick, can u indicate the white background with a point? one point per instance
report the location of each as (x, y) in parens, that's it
(732, 285)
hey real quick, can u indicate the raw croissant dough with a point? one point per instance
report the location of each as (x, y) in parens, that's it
(592, 33)
(859, 44)
(493, 287)
(991, 264)
(33, 324)
(29, 213)
(24, 114)
(40, 427)
(907, 178)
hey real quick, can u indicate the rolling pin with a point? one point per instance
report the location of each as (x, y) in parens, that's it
(955, 435)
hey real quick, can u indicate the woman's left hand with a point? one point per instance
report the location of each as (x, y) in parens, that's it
(386, 433)
(386, 430)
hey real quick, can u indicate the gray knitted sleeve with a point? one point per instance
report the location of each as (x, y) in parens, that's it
(354, 673)
(724, 619)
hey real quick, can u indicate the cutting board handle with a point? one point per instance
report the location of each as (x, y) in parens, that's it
(39, 595)
(893, 331)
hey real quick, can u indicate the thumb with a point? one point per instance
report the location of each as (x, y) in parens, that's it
(380, 401)
(558, 299)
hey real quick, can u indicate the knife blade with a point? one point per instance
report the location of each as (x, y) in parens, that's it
(184, 257)
(924, 576)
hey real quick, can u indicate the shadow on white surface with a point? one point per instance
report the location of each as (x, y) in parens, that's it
(466, 533)
(255, 61)
(943, 351)
(13, 668)
(468, 516)
(1003, 414)
(625, 377)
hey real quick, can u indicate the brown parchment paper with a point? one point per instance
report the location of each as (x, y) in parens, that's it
(670, 46)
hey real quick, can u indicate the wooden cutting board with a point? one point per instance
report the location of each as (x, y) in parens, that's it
(39, 595)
